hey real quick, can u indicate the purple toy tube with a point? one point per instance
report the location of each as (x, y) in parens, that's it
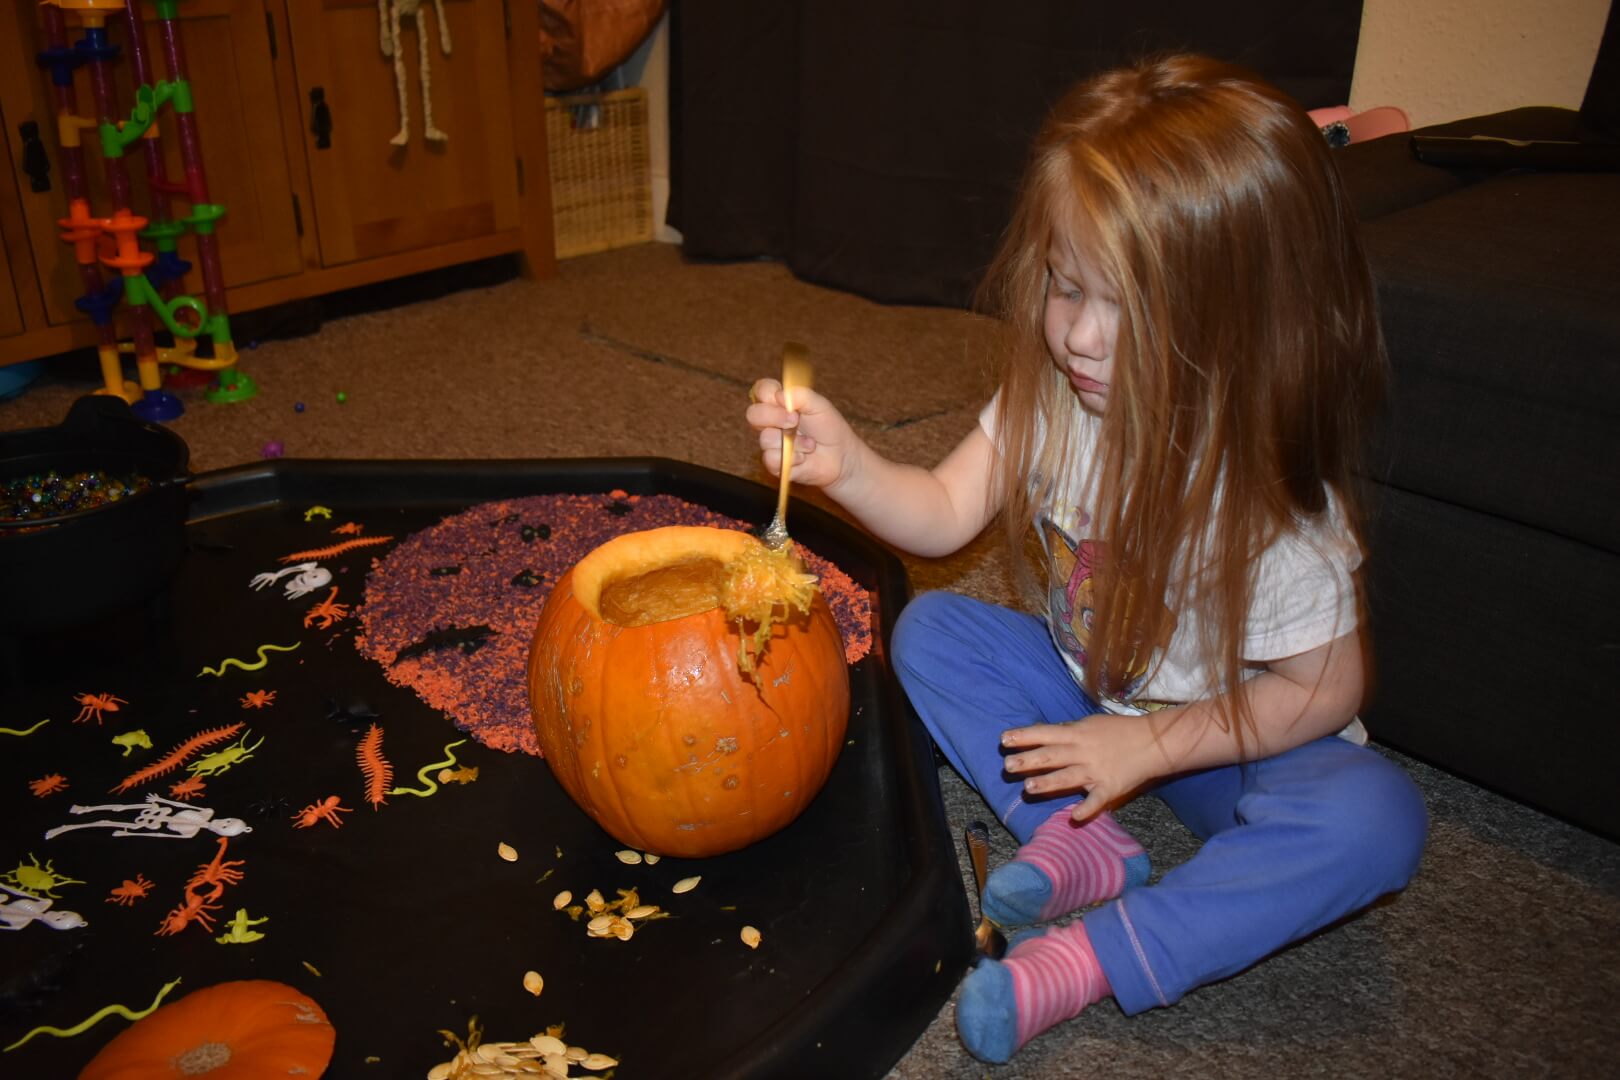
(155, 404)
(74, 179)
(174, 52)
(157, 175)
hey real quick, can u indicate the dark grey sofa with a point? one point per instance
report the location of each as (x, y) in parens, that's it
(1494, 577)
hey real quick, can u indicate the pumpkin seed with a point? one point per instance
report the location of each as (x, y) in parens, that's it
(533, 983)
(686, 884)
(507, 852)
(561, 900)
(577, 1053)
(750, 937)
(488, 1052)
(441, 1071)
(594, 901)
(549, 1045)
(622, 929)
(650, 858)
(641, 911)
(628, 857)
(600, 924)
(598, 1061)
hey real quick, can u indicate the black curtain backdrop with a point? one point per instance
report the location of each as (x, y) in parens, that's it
(875, 145)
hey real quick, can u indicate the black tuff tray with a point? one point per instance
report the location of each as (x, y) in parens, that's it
(412, 921)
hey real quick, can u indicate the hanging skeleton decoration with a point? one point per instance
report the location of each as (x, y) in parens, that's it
(389, 15)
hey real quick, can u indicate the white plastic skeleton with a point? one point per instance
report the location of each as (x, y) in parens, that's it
(389, 15)
(23, 908)
(309, 577)
(176, 821)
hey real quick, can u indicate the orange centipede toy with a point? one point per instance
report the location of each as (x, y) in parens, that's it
(378, 771)
(336, 549)
(176, 757)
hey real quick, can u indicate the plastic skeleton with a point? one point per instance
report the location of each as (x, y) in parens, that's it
(390, 13)
(173, 821)
(307, 578)
(18, 909)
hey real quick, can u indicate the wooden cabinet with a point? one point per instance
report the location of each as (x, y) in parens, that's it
(374, 199)
(305, 214)
(10, 314)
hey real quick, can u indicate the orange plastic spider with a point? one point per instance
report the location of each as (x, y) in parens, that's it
(48, 785)
(350, 528)
(187, 789)
(258, 699)
(327, 612)
(130, 891)
(325, 810)
(95, 705)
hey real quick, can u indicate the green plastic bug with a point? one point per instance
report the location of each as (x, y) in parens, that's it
(216, 763)
(37, 879)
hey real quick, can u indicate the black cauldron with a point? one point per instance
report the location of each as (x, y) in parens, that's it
(66, 571)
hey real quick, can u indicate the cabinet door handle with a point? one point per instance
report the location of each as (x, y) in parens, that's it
(36, 162)
(320, 120)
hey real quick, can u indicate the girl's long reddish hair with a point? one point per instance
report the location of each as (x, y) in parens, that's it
(1248, 359)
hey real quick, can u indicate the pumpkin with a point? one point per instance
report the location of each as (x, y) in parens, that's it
(688, 689)
(240, 1030)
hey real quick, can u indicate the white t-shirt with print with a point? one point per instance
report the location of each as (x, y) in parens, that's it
(1304, 595)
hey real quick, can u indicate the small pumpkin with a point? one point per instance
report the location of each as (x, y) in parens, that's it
(243, 1030)
(689, 689)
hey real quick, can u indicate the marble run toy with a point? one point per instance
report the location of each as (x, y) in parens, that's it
(147, 284)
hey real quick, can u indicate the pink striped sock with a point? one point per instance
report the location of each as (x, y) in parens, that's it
(1065, 867)
(1055, 977)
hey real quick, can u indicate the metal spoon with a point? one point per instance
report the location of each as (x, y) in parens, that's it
(986, 937)
(795, 373)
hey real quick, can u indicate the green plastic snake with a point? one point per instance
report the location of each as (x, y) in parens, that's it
(30, 731)
(421, 774)
(263, 660)
(96, 1018)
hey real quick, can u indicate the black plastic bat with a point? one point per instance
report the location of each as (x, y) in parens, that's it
(469, 639)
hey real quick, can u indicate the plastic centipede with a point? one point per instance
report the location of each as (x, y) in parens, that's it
(378, 771)
(177, 756)
(336, 549)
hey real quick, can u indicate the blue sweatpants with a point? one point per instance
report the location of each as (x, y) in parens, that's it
(1290, 844)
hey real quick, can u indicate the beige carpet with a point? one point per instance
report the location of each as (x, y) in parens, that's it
(1502, 958)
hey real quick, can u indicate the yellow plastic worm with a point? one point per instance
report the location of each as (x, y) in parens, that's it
(100, 1015)
(30, 731)
(422, 774)
(263, 660)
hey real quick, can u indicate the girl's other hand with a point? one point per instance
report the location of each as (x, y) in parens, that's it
(1109, 757)
(824, 444)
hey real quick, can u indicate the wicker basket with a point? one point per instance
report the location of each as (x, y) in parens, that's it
(601, 179)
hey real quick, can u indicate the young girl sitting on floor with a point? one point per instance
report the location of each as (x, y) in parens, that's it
(1191, 352)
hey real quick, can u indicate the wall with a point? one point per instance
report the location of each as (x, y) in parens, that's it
(1449, 59)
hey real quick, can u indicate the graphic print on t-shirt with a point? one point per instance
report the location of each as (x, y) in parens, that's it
(1073, 565)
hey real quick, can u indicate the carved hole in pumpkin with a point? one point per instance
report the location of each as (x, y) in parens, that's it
(663, 593)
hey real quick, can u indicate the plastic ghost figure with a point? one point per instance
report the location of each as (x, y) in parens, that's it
(18, 909)
(389, 15)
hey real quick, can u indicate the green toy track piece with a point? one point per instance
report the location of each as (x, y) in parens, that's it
(233, 385)
(203, 216)
(165, 234)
